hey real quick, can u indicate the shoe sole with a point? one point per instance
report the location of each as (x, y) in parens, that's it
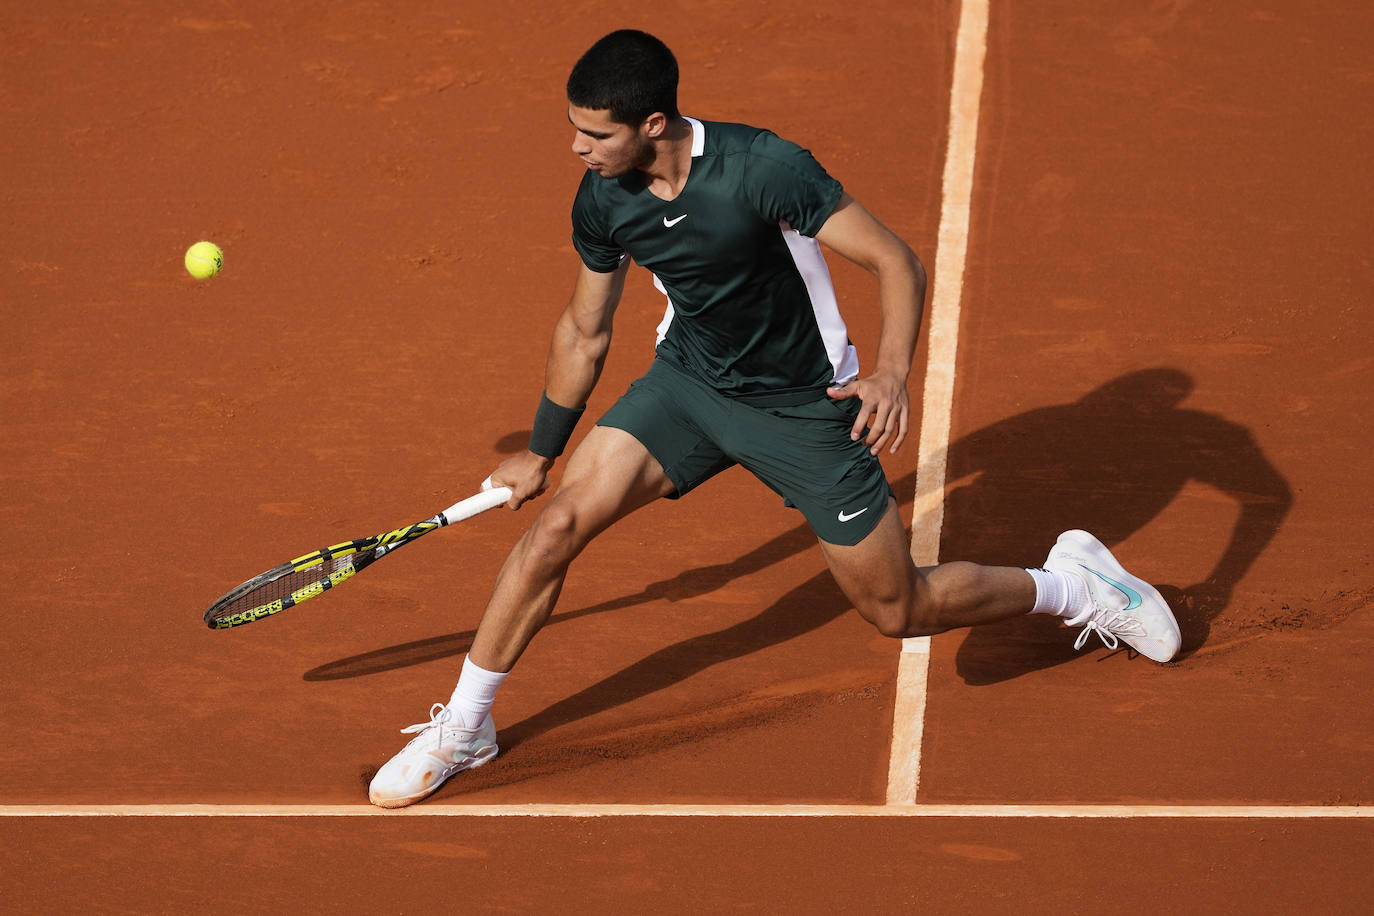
(405, 800)
(1090, 547)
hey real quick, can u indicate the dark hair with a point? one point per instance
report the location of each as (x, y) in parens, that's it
(631, 73)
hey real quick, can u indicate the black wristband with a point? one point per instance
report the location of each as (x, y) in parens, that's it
(553, 427)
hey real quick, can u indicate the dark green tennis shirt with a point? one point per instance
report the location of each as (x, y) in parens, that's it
(751, 308)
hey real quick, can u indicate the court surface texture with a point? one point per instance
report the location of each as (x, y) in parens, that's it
(1146, 227)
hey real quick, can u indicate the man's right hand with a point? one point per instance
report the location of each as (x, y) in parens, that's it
(527, 475)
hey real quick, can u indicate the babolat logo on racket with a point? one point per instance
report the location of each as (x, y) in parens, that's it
(242, 617)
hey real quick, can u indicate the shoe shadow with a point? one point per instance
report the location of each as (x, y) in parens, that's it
(1110, 463)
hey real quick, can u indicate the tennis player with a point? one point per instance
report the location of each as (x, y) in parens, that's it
(753, 367)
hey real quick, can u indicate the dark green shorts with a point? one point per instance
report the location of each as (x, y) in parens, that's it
(802, 452)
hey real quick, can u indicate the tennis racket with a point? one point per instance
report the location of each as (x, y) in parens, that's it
(316, 573)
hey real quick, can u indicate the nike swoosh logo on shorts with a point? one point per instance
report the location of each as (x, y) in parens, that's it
(670, 223)
(1132, 596)
(852, 515)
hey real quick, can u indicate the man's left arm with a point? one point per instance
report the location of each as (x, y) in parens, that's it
(857, 235)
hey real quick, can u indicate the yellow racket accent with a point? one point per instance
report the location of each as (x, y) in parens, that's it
(304, 593)
(299, 580)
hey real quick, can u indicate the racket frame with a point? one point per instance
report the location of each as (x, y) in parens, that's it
(349, 558)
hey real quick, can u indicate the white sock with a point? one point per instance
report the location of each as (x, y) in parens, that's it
(1059, 593)
(476, 692)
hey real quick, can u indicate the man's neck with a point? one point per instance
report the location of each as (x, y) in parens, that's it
(666, 175)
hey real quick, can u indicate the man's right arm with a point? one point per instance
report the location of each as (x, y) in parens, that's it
(577, 352)
(582, 336)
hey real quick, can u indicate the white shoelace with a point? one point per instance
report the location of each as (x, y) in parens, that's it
(439, 716)
(1108, 628)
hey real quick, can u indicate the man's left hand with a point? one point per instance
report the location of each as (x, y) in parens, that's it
(885, 412)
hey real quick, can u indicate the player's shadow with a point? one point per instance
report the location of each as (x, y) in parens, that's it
(1109, 462)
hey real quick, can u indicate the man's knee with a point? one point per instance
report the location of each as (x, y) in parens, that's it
(888, 619)
(900, 618)
(895, 611)
(554, 538)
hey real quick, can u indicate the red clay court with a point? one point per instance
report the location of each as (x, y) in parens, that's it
(1147, 230)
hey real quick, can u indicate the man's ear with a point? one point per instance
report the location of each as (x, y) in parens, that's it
(654, 125)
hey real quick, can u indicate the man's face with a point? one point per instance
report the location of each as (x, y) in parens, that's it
(607, 147)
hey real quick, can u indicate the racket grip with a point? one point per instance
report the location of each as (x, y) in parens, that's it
(489, 498)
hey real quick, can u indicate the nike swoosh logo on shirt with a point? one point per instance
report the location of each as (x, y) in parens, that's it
(1132, 596)
(670, 223)
(852, 515)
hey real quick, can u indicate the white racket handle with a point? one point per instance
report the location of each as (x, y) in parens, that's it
(489, 498)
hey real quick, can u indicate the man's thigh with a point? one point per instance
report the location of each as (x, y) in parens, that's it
(877, 573)
(609, 475)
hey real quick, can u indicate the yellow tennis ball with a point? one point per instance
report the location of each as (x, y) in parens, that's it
(203, 260)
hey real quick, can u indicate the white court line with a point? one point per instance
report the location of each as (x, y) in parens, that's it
(1291, 812)
(904, 766)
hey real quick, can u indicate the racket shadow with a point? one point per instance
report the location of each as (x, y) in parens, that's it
(690, 583)
(417, 652)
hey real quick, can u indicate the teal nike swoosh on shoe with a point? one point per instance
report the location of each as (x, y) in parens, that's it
(1125, 607)
(1132, 596)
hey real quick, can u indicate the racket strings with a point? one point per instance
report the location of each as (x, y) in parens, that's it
(281, 591)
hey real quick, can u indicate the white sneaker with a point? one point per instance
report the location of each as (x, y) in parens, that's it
(432, 756)
(1124, 606)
